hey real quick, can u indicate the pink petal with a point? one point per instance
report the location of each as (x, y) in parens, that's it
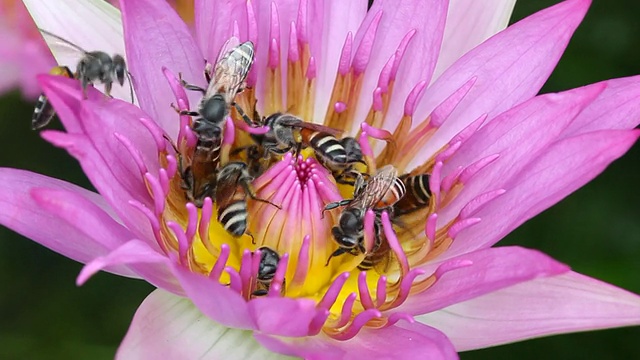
(419, 60)
(468, 24)
(167, 326)
(113, 174)
(401, 341)
(478, 273)
(567, 165)
(510, 67)
(616, 108)
(339, 18)
(155, 36)
(216, 301)
(214, 22)
(139, 256)
(554, 305)
(518, 136)
(286, 11)
(283, 316)
(60, 217)
(89, 24)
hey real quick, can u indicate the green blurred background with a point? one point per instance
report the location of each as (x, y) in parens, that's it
(43, 315)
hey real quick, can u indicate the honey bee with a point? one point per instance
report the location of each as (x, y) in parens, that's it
(93, 66)
(226, 79)
(378, 193)
(269, 260)
(288, 132)
(417, 197)
(233, 187)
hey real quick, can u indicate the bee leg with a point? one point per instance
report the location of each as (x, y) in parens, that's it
(338, 252)
(208, 69)
(246, 185)
(107, 88)
(333, 205)
(244, 115)
(253, 240)
(190, 87)
(184, 112)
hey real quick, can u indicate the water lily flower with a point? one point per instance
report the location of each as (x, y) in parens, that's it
(407, 80)
(23, 54)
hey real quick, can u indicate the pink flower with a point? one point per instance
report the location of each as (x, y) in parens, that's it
(496, 153)
(23, 53)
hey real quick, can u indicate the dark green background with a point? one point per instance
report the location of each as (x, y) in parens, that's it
(44, 315)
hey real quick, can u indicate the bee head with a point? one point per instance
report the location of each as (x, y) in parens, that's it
(268, 263)
(119, 68)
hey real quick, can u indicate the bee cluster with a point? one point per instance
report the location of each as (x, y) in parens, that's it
(228, 183)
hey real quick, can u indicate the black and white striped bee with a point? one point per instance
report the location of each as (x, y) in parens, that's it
(417, 197)
(379, 193)
(233, 188)
(269, 260)
(226, 79)
(93, 66)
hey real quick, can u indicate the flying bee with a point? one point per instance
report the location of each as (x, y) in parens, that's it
(233, 187)
(226, 79)
(378, 193)
(93, 66)
(418, 194)
(269, 260)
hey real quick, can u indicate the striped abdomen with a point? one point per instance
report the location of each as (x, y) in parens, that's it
(395, 193)
(233, 216)
(418, 194)
(326, 147)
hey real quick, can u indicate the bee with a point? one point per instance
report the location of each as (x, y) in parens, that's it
(339, 156)
(379, 193)
(233, 187)
(417, 197)
(44, 112)
(93, 66)
(226, 79)
(269, 260)
(288, 132)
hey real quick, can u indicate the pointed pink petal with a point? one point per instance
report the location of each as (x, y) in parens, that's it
(616, 108)
(283, 316)
(481, 272)
(339, 18)
(518, 136)
(89, 24)
(214, 22)
(60, 217)
(401, 341)
(155, 36)
(108, 170)
(398, 19)
(167, 326)
(284, 12)
(139, 256)
(567, 165)
(468, 24)
(216, 301)
(510, 67)
(554, 305)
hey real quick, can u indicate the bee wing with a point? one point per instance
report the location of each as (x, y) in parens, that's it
(376, 188)
(231, 70)
(62, 48)
(318, 127)
(226, 189)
